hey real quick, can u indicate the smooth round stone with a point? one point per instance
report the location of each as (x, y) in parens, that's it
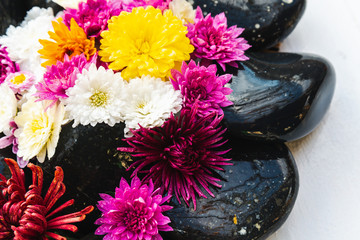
(257, 195)
(266, 22)
(279, 95)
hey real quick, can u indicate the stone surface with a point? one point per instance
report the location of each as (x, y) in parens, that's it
(279, 95)
(12, 12)
(266, 22)
(258, 193)
(91, 164)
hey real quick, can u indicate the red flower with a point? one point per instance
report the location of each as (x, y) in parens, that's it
(180, 155)
(25, 214)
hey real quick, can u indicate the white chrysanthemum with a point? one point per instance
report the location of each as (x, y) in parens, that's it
(69, 3)
(8, 107)
(150, 103)
(98, 96)
(22, 42)
(183, 10)
(38, 130)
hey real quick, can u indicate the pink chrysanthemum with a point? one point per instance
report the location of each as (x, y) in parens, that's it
(128, 5)
(20, 82)
(201, 83)
(213, 40)
(180, 155)
(136, 212)
(6, 65)
(25, 214)
(92, 16)
(58, 78)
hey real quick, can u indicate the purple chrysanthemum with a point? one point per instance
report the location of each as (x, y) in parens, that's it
(213, 40)
(135, 213)
(180, 155)
(9, 139)
(201, 83)
(6, 65)
(58, 78)
(92, 16)
(128, 5)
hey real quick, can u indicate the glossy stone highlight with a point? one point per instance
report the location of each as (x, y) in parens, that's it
(258, 193)
(266, 22)
(279, 95)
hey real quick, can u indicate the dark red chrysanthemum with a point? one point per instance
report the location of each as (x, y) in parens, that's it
(25, 214)
(181, 154)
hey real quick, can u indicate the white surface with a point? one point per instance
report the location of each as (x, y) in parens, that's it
(328, 204)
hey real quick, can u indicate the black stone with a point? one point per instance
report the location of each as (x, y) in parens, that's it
(92, 165)
(266, 22)
(279, 95)
(12, 12)
(259, 191)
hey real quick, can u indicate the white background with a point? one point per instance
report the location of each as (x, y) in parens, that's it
(328, 204)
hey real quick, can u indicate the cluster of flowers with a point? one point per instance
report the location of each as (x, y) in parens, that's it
(148, 63)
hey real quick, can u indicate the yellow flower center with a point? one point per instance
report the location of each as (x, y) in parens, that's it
(36, 125)
(142, 46)
(99, 99)
(140, 106)
(18, 79)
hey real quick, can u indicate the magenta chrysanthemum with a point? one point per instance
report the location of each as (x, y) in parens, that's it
(92, 16)
(213, 40)
(6, 65)
(127, 5)
(180, 155)
(201, 84)
(136, 212)
(58, 78)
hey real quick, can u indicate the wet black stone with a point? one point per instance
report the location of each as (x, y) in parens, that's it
(279, 95)
(92, 165)
(12, 12)
(44, 4)
(266, 22)
(259, 191)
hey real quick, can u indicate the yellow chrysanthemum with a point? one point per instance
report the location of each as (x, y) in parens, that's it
(71, 42)
(145, 42)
